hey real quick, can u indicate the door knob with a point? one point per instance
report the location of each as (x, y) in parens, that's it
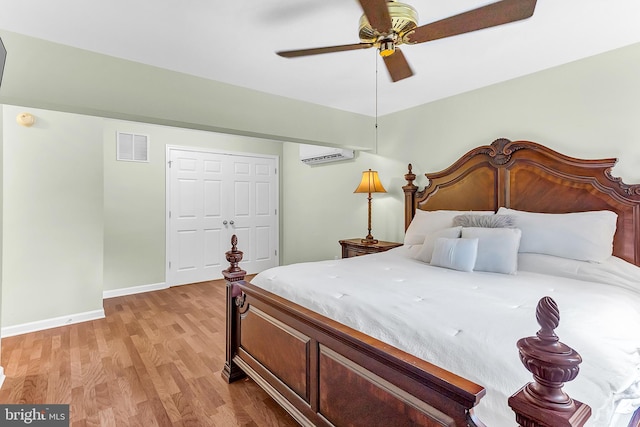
(231, 222)
(224, 222)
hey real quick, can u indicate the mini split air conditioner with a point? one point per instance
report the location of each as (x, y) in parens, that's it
(314, 154)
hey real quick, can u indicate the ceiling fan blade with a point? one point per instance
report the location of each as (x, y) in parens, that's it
(398, 66)
(377, 14)
(320, 50)
(491, 15)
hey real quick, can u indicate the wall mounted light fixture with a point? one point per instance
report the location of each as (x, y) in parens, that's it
(25, 119)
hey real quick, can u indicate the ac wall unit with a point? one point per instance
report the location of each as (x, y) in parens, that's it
(314, 154)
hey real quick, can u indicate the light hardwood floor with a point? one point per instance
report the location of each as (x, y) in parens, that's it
(155, 360)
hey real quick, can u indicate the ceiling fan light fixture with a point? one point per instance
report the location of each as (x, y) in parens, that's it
(387, 47)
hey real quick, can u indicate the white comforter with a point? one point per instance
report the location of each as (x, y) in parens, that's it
(460, 321)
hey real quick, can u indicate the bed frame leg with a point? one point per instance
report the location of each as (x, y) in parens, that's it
(543, 403)
(231, 372)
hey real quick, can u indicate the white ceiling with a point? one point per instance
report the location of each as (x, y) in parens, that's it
(234, 41)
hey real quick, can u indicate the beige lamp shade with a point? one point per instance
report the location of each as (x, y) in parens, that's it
(370, 183)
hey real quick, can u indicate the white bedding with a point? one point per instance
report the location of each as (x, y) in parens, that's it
(459, 320)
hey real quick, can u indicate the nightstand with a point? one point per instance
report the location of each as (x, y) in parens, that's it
(355, 247)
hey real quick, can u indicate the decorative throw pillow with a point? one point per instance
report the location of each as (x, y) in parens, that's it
(585, 236)
(486, 221)
(497, 248)
(425, 222)
(456, 254)
(426, 250)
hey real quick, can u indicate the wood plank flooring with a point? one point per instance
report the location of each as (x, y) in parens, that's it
(155, 360)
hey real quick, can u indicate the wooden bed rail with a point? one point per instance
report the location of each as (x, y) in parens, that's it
(540, 403)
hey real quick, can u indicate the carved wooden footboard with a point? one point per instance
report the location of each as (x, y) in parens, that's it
(326, 374)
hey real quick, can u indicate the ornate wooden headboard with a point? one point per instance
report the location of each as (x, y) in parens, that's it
(527, 176)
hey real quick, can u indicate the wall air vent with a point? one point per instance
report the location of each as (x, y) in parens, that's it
(314, 154)
(132, 147)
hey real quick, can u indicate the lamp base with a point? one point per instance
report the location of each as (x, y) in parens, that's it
(369, 241)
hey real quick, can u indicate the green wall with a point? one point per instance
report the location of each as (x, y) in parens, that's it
(76, 222)
(52, 76)
(320, 207)
(588, 108)
(52, 216)
(134, 198)
(92, 96)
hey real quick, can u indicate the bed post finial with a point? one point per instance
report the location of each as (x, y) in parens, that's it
(410, 176)
(409, 197)
(234, 256)
(548, 317)
(543, 403)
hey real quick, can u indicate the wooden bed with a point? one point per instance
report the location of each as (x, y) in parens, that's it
(327, 374)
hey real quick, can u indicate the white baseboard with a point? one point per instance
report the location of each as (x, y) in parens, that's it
(2, 377)
(55, 322)
(40, 325)
(133, 290)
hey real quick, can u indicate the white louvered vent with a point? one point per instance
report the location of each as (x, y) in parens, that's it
(133, 147)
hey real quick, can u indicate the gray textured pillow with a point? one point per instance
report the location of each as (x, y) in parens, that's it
(484, 221)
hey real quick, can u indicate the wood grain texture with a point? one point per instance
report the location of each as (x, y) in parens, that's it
(527, 176)
(395, 382)
(154, 360)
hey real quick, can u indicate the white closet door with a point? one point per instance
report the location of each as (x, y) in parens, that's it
(254, 211)
(210, 197)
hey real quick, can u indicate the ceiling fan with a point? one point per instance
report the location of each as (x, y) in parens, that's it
(386, 25)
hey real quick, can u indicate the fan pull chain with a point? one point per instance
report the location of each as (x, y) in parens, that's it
(376, 104)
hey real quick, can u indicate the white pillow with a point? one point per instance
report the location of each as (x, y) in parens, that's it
(426, 250)
(425, 222)
(585, 236)
(497, 248)
(457, 254)
(614, 271)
